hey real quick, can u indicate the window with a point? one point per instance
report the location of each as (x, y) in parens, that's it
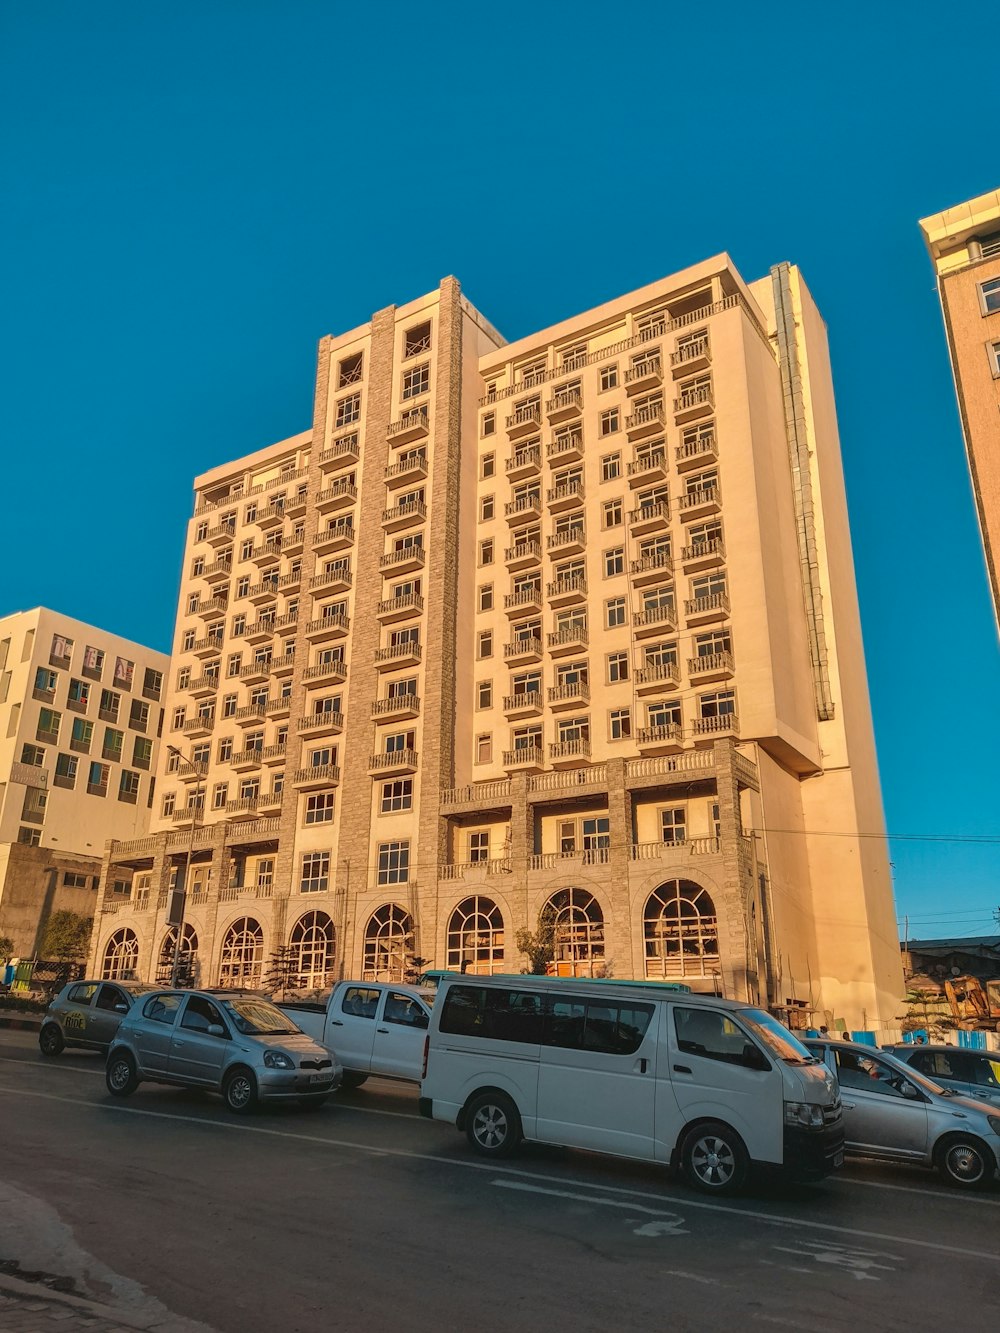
(348, 410)
(128, 786)
(62, 650)
(673, 822)
(315, 876)
(220, 795)
(720, 703)
(486, 597)
(484, 748)
(487, 466)
(97, 781)
(994, 352)
(489, 424)
(487, 508)
(138, 715)
(476, 937)
(113, 743)
(417, 339)
(416, 381)
(29, 837)
(83, 734)
(397, 795)
(484, 694)
(184, 678)
(989, 296)
(349, 371)
(680, 932)
(609, 422)
(613, 513)
(48, 725)
(479, 846)
(620, 723)
(177, 718)
(225, 751)
(666, 715)
(121, 956)
(617, 667)
(486, 550)
(66, 770)
(169, 804)
(609, 378)
(242, 954)
(93, 662)
(33, 754)
(393, 862)
(714, 1036)
(484, 644)
(152, 683)
(228, 705)
(388, 943)
(614, 612)
(319, 808)
(33, 806)
(45, 684)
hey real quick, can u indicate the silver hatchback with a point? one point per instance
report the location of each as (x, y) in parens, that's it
(87, 1014)
(971, 1073)
(892, 1112)
(239, 1045)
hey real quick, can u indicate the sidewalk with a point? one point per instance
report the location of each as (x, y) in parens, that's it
(31, 1307)
(9, 1018)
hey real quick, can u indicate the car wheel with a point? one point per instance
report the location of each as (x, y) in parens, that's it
(966, 1163)
(492, 1124)
(714, 1159)
(312, 1103)
(353, 1079)
(240, 1092)
(50, 1040)
(120, 1076)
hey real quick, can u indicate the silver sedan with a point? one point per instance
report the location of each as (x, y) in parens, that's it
(241, 1046)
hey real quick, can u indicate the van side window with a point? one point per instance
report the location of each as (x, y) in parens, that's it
(714, 1036)
(591, 1026)
(498, 1015)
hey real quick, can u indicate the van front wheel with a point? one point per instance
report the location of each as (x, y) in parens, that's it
(492, 1124)
(714, 1159)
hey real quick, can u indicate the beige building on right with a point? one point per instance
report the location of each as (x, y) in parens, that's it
(964, 244)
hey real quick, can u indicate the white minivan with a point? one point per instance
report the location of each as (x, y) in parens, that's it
(708, 1085)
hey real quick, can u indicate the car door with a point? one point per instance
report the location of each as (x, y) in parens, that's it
(984, 1076)
(352, 1026)
(153, 1033)
(109, 1007)
(880, 1116)
(951, 1068)
(76, 1011)
(196, 1055)
(400, 1024)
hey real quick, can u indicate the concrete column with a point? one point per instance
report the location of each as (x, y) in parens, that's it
(737, 885)
(618, 932)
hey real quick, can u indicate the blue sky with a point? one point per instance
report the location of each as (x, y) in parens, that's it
(196, 192)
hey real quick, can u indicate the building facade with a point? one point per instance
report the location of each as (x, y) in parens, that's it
(80, 715)
(559, 631)
(964, 245)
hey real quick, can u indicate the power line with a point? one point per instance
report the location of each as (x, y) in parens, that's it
(979, 839)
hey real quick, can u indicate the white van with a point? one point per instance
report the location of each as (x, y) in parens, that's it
(708, 1085)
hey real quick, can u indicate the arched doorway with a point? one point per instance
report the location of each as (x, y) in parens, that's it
(680, 931)
(312, 942)
(388, 943)
(242, 953)
(121, 956)
(189, 957)
(578, 945)
(476, 937)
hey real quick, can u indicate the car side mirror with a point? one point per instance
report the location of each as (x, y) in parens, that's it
(121, 1008)
(911, 1093)
(215, 1030)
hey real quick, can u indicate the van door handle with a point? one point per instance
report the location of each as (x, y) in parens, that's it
(682, 1069)
(385, 1030)
(336, 1022)
(642, 1063)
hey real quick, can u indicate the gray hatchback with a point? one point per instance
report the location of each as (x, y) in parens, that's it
(239, 1045)
(972, 1073)
(87, 1014)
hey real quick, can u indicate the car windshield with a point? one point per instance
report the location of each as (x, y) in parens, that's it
(776, 1037)
(256, 1018)
(137, 988)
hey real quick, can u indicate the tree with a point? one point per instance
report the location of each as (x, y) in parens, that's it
(6, 948)
(539, 946)
(67, 935)
(282, 972)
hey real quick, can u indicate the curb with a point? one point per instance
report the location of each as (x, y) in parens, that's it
(20, 1290)
(25, 1024)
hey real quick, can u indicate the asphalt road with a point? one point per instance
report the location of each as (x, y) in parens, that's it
(362, 1216)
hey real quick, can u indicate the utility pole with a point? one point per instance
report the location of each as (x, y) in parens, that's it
(180, 899)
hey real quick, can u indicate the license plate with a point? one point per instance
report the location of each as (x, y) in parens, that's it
(319, 1078)
(838, 1160)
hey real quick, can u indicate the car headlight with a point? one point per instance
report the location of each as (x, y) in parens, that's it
(278, 1060)
(804, 1115)
(994, 1123)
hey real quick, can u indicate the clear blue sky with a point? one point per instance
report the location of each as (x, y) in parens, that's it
(196, 192)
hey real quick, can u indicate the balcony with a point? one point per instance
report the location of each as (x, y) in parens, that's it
(528, 704)
(524, 759)
(523, 421)
(211, 608)
(645, 420)
(271, 516)
(475, 869)
(690, 356)
(412, 469)
(406, 561)
(521, 651)
(404, 607)
(325, 673)
(567, 495)
(267, 554)
(393, 761)
(711, 666)
(406, 515)
(186, 814)
(295, 505)
(262, 593)
(570, 639)
(648, 468)
(341, 495)
(286, 622)
(655, 619)
(654, 568)
(569, 754)
(329, 722)
(570, 541)
(218, 571)
(260, 630)
(207, 647)
(657, 678)
(708, 554)
(564, 405)
(337, 537)
(279, 705)
(695, 402)
(665, 739)
(247, 759)
(649, 517)
(569, 695)
(567, 447)
(191, 771)
(257, 672)
(412, 425)
(696, 453)
(316, 777)
(254, 831)
(398, 655)
(274, 754)
(341, 454)
(221, 535)
(523, 555)
(244, 807)
(327, 628)
(334, 580)
(200, 725)
(709, 729)
(250, 714)
(567, 591)
(524, 507)
(401, 707)
(700, 502)
(294, 542)
(523, 600)
(705, 610)
(644, 375)
(524, 463)
(203, 687)
(284, 665)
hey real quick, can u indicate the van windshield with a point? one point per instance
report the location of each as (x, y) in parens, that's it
(776, 1037)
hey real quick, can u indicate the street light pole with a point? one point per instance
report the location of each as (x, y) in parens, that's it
(187, 864)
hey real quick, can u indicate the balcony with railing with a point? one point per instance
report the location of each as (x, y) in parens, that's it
(405, 515)
(315, 777)
(524, 463)
(207, 647)
(218, 571)
(222, 534)
(412, 425)
(200, 725)
(567, 590)
(523, 600)
(673, 851)
(692, 355)
(709, 729)
(393, 761)
(259, 631)
(648, 467)
(649, 517)
(656, 567)
(568, 695)
(328, 722)
(663, 739)
(568, 541)
(267, 555)
(405, 606)
(697, 453)
(256, 672)
(399, 708)
(203, 687)
(528, 703)
(325, 673)
(472, 870)
(647, 419)
(571, 638)
(655, 619)
(645, 374)
(707, 554)
(567, 447)
(395, 655)
(657, 678)
(522, 650)
(247, 759)
(407, 470)
(210, 608)
(701, 502)
(264, 592)
(336, 537)
(523, 555)
(332, 580)
(336, 625)
(704, 610)
(523, 420)
(695, 401)
(244, 807)
(711, 666)
(578, 858)
(342, 494)
(564, 405)
(567, 495)
(341, 454)
(523, 507)
(524, 759)
(570, 754)
(404, 561)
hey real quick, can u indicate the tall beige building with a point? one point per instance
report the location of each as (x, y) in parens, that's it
(567, 623)
(80, 717)
(964, 244)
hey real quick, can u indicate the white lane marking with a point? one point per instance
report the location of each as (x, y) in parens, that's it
(943, 1194)
(851, 1259)
(774, 1219)
(695, 1277)
(669, 1219)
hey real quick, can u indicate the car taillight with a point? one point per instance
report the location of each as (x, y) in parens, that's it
(427, 1047)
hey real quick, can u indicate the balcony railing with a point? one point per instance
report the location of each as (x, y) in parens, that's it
(575, 749)
(714, 603)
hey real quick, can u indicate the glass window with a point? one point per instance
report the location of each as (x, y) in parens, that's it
(589, 1025)
(497, 1015)
(393, 862)
(361, 1002)
(162, 1008)
(713, 1035)
(989, 296)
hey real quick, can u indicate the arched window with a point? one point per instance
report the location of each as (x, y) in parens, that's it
(189, 958)
(579, 932)
(121, 956)
(312, 943)
(388, 942)
(242, 953)
(475, 937)
(680, 931)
